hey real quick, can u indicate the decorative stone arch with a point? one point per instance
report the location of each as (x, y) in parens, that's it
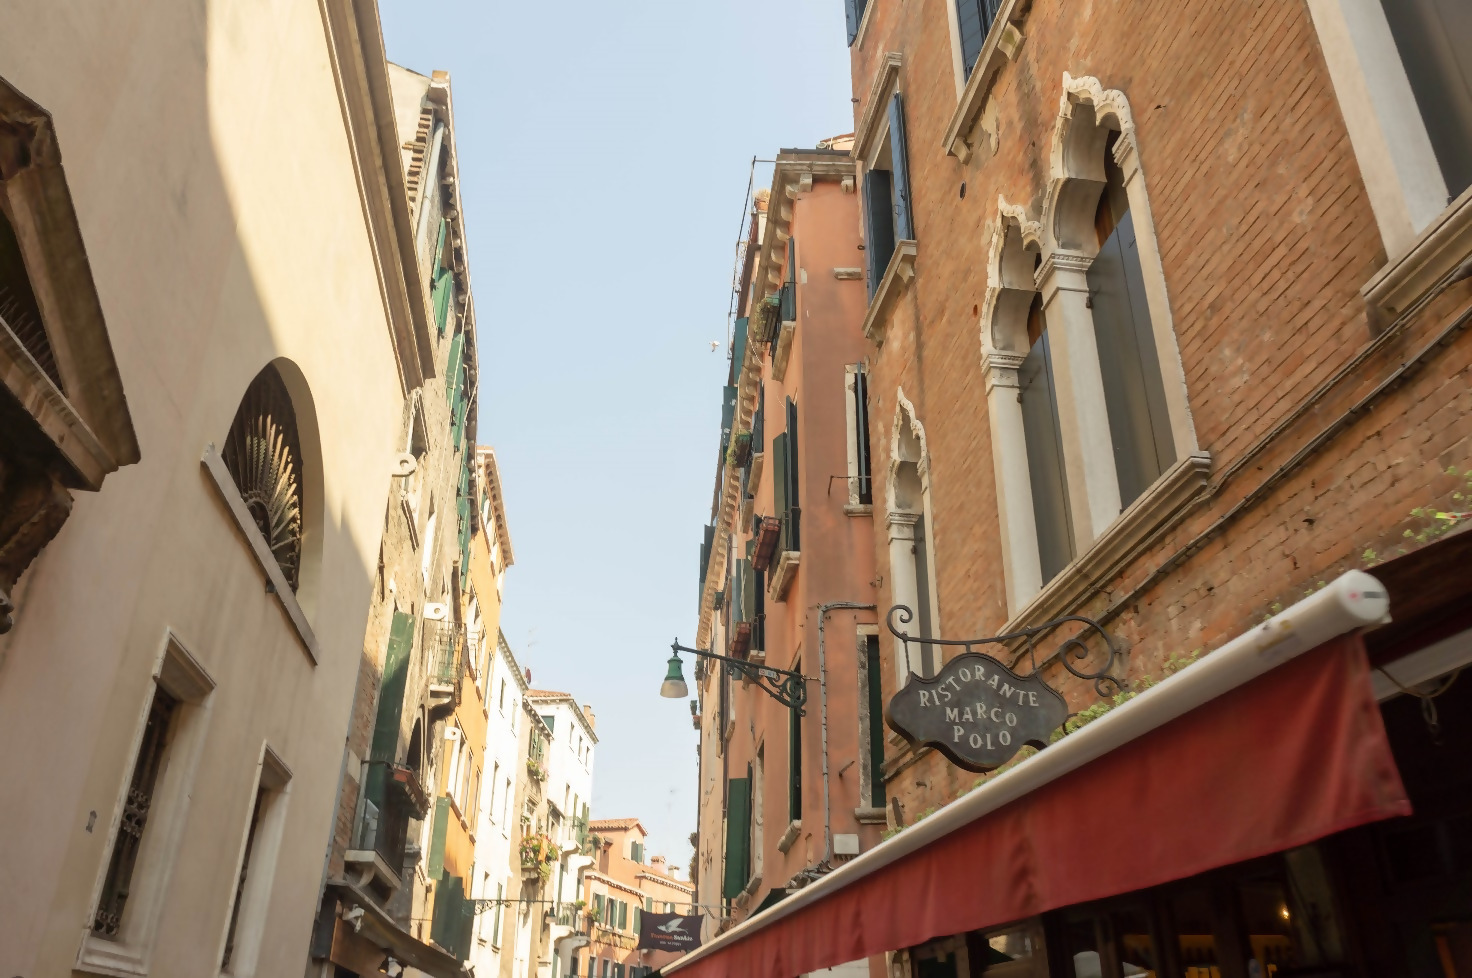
(911, 535)
(273, 453)
(1012, 258)
(1087, 113)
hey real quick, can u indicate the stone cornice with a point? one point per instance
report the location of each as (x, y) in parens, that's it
(1001, 46)
(886, 81)
(1443, 246)
(901, 269)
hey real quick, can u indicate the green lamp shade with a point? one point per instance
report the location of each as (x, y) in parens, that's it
(674, 687)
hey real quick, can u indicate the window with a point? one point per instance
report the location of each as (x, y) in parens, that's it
(860, 479)
(501, 700)
(973, 22)
(257, 868)
(264, 457)
(871, 724)
(785, 483)
(495, 782)
(1085, 391)
(154, 793)
(853, 12)
(1435, 41)
(886, 197)
(1044, 437)
(107, 921)
(794, 761)
(911, 535)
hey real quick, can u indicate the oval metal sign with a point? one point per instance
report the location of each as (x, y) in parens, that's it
(976, 712)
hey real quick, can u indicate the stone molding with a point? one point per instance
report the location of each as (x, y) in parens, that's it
(1001, 46)
(897, 276)
(275, 580)
(1438, 251)
(794, 829)
(886, 82)
(784, 351)
(1137, 527)
(783, 574)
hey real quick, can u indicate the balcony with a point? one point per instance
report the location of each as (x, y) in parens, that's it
(445, 644)
(382, 832)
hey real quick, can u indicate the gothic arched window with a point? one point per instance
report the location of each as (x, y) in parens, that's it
(263, 453)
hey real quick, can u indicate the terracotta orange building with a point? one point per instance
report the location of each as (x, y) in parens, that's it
(624, 883)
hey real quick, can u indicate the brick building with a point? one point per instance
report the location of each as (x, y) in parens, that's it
(1167, 314)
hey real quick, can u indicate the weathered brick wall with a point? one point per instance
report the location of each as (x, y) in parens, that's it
(1266, 238)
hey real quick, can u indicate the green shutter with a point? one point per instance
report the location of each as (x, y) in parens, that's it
(439, 296)
(794, 765)
(597, 906)
(439, 245)
(452, 369)
(636, 920)
(779, 484)
(623, 915)
(876, 727)
(738, 348)
(738, 835)
(649, 904)
(437, 837)
(440, 923)
(748, 590)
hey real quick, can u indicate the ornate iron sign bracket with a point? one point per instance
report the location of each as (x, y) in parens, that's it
(786, 687)
(1073, 650)
(978, 712)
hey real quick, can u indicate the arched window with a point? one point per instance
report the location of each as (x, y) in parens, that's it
(1085, 390)
(264, 456)
(1139, 422)
(911, 541)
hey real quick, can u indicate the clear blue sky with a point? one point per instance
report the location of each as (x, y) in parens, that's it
(604, 151)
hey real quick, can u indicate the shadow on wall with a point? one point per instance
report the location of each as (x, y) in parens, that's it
(197, 304)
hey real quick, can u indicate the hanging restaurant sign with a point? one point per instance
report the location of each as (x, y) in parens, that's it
(978, 712)
(669, 932)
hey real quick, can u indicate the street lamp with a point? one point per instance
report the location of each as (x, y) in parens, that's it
(788, 688)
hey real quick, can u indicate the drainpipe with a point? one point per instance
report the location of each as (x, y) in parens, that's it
(823, 610)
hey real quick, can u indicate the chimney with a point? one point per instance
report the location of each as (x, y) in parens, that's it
(528, 674)
(592, 717)
(657, 863)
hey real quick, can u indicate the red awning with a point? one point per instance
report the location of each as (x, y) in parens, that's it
(1291, 756)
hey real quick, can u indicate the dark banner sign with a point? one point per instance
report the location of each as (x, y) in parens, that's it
(669, 932)
(976, 711)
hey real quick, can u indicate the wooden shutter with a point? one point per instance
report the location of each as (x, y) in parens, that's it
(440, 294)
(738, 347)
(452, 368)
(971, 23)
(391, 693)
(1134, 392)
(904, 227)
(851, 16)
(439, 925)
(779, 484)
(439, 245)
(748, 590)
(876, 723)
(793, 524)
(598, 906)
(794, 764)
(861, 435)
(878, 225)
(437, 837)
(1045, 467)
(738, 832)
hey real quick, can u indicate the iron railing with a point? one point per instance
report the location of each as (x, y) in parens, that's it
(445, 645)
(384, 825)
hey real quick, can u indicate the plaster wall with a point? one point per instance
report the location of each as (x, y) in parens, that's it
(205, 150)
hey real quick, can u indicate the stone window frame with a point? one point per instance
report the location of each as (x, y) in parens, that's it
(180, 674)
(1104, 530)
(272, 779)
(907, 445)
(1426, 234)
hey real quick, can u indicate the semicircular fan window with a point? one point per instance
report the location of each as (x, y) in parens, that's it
(263, 454)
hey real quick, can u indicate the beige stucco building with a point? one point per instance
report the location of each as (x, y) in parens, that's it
(236, 320)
